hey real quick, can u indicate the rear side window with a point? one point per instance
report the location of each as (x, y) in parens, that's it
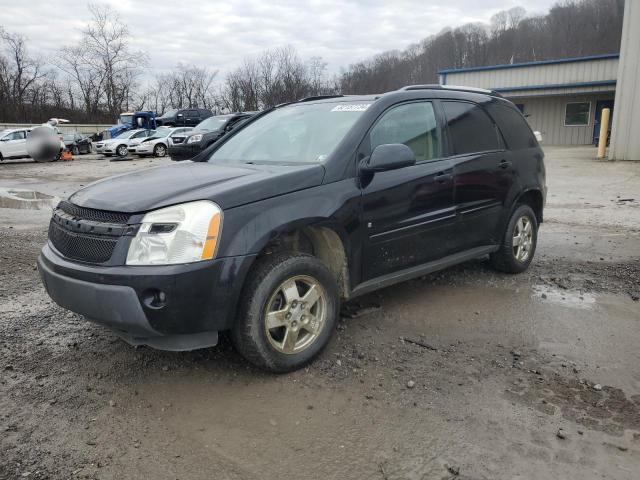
(414, 125)
(513, 126)
(470, 128)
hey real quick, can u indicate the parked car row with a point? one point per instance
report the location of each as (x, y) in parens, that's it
(13, 143)
(180, 143)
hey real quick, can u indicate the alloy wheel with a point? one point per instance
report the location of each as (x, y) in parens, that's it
(295, 314)
(122, 151)
(522, 239)
(160, 151)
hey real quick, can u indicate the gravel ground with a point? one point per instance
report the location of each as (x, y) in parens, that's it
(464, 374)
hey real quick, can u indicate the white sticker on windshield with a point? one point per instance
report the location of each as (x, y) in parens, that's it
(354, 107)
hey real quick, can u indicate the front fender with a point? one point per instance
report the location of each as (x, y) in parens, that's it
(247, 229)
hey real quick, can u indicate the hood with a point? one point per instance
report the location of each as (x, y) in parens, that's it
(228, 186)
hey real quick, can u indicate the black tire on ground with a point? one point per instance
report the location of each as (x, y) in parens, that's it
(75, 151)
(249, 333)
(159, 150)
(122, 150)
(505, 259)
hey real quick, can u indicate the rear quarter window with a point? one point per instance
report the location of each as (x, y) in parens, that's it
(514, 127)
(470, 128)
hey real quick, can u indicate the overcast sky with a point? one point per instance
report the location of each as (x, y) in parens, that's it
(219, 34)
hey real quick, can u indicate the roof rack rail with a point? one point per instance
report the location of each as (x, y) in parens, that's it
(319, 97)
(461, 88)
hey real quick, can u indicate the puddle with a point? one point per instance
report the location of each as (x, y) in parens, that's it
(567, 298)
(26, 199)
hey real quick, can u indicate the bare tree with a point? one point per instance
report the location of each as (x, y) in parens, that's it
(104, 61)
(19, 72)
(274, 77)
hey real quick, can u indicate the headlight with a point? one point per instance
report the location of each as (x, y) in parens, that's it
(179, 234)
(194, 138)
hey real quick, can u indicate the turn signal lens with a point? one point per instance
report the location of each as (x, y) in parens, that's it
(211, 243)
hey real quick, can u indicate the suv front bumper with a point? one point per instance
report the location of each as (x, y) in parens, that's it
(184, 151)
(199, 299)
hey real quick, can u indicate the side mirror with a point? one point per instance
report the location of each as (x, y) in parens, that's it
(389, 157)
(5, 139)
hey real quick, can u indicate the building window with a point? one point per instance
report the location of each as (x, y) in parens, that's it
(577, 114)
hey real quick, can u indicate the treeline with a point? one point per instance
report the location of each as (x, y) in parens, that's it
(572, 28)
(103, 75)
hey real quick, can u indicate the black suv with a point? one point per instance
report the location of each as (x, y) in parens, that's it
(189, 117)
(189, 144)
(306, 205)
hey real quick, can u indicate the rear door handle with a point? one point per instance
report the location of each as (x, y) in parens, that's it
(442, 177)
(504, 164)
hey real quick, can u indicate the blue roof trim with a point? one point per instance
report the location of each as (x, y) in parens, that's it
(601, 83)
(529, 64)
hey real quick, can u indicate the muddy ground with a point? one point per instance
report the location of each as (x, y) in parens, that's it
(464, 374)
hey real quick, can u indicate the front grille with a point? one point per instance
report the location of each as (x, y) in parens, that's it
(87, 248)
(103, 216)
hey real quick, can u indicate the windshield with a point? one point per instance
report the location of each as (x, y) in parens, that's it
(125, 119)
(169, 113)
(300, 133)
(126, 134)
(161, 132)
(211, 124)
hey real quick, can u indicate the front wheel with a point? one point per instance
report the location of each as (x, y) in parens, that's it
(159, 150)
(122, 150)
(288, 312)
(519, 242)
(75, 151)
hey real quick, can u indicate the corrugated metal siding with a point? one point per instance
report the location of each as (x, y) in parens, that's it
(559, 91)
(534, 75)
(546, 114)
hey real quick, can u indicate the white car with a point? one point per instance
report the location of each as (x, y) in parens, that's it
(157, 143)
(13, 143)
(119, 145)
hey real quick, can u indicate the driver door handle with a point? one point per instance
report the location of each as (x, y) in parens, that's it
(504, 164)
(442, 177)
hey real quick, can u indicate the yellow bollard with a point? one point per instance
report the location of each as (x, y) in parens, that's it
(604, 133)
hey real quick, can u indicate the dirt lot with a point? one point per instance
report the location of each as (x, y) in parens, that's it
(534, 376)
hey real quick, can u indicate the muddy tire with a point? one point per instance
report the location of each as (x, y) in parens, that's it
(288, 312)
(519, 242)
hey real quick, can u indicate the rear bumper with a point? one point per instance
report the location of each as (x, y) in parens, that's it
(198, 299)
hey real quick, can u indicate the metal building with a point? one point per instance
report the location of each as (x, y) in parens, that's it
(625, 140)
(562, 99)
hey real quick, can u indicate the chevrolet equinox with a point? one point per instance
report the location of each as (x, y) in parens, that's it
(306, 205)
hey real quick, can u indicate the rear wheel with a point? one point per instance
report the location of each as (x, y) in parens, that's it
(288, 312)
(519, 242)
